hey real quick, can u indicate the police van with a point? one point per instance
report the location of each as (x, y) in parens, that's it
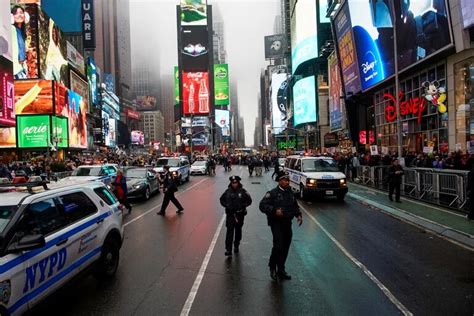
(48, 237)
(316, 176)
(179, 167)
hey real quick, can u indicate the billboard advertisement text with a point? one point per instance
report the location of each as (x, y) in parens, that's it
(195, 93)
(304, 101)
(33, 131)
(221, 84)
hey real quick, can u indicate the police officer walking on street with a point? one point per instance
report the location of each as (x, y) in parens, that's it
(395, 173)
(169, 188)
(235, 200)
(280, 206)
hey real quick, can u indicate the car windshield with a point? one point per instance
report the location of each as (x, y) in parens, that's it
(84, 172)
(169, 162)
(199, 163)
(135, 173)
(320, 165)
(6, 214)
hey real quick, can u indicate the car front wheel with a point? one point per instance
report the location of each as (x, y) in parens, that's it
(109, 259)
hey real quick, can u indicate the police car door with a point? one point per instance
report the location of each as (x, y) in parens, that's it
(47, 267)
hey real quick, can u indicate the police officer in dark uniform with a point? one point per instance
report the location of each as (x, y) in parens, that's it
(280, 206)
(395, 173)
(235, 200)
(169, 188)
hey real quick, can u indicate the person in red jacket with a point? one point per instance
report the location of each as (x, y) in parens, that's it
(121, 192)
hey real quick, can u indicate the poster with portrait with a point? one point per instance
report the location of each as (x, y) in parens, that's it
(77, 121)
(335, 93)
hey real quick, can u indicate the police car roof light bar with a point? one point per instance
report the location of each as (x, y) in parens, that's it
(29, 185)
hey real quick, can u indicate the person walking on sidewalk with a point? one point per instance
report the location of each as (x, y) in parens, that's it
(470, 194)
(280, 206)
(169, 189)
(235, 200)
(120, 189)
(395, 173)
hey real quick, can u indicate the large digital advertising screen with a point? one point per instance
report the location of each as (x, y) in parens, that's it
(193, 12)
(7, 137)
(223, 121)
(335, 93)
(61, 100)
(304, 101)
(194, 48)
(137, 138)
(79, 86)
(33, 131)
(5, 30)
(92, 80)
(372, 27)
(347, 53)
(77, 119)
(304, 41)
(33, 97)
(422, 29)
(279, 113)
(24, 40)
(146, 103)
(7, 93)
(197, 121)
(60, 132)
(176, 85)
(221, 84)
(53, 50)
(195, 93)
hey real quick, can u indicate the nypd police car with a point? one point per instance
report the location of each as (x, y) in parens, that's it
(316, 176)
(48, 237)
(179, 167)
(105, 173)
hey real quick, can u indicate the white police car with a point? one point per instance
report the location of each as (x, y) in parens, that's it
(105, 173)
(46, 238)
(179, 167)
(316, 176)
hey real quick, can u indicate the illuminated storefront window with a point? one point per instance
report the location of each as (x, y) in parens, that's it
(464, 102)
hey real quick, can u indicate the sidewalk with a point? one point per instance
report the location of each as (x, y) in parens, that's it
(446, 223)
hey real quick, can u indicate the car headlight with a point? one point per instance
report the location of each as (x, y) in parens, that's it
(138, 186)
(175, 173)
(343, 182)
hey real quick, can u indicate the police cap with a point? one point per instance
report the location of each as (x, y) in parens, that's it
(234, 178)
(283, 175)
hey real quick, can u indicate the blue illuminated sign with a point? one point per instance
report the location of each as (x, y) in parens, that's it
(304, 101)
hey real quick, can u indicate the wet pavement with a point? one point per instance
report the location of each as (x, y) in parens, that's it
(346, 258)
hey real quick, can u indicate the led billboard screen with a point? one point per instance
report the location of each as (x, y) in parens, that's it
(7, 137)
(221, 84)
(60, 130)
(146, 103)
(194, 49)
(193, 12)
(176, 85)
(304, 42)
(5, 30)
(347, 53)
(92, 79)
(195, 93)
(372, 27)
(138, 138)
(7, 93)
(197, 121)
(304, 101)
(33, 131)
(279, 114)
(223, 120)
(79, 86)
(423, 29)
(33, 97)
(77, 121)
(335, 93)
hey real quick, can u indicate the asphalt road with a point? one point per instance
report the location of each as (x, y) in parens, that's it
(346, 259)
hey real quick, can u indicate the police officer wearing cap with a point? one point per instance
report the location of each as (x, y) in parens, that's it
(169, 188)
(280, 206)
(235, 200)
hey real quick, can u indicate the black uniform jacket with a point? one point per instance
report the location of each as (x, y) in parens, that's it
(169, 182)
(279, 198)
(235, 201)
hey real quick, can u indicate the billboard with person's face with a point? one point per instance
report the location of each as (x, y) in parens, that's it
(138, 138)
(33, 131)
(372, 27)
(7, 95)
(33, 97)
(77, 121)
(223, 120)
(424, 29)
(304, 101)
(193, 12)
(195, 93)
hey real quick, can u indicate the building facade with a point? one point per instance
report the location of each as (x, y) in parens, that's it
(152, 125)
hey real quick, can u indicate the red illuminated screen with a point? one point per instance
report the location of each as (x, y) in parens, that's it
(195, 93)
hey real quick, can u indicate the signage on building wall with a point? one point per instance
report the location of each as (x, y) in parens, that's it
(132, 114)
(88, 30)
(414, 106)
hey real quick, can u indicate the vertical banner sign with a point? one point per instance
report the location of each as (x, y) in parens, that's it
(88, 30)
(221, 84)
(176, 85)
(335, 93)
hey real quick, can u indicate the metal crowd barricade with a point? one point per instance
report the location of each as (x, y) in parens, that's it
(441, 187)
(61, 175)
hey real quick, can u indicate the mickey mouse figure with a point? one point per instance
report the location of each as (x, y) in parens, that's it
(435, 94)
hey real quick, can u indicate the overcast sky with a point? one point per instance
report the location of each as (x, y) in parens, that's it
(246, 22)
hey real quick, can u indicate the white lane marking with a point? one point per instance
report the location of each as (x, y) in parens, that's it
(197, 282)
(372, 277)
(159, 205)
